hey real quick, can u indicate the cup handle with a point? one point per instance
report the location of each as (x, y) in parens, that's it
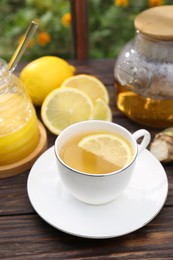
(145, 141)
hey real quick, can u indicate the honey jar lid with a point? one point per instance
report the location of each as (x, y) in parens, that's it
(156, 22)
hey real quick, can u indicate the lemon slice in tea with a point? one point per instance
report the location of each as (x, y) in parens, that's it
(110, 147)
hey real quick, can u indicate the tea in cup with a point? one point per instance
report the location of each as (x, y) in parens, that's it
(96, 159)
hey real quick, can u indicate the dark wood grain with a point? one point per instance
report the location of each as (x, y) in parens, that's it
(24, 235)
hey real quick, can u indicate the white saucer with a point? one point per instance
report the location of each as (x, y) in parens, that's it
(138, 205)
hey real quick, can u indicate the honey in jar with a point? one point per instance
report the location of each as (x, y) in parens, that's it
(19, 132)
(144, 70)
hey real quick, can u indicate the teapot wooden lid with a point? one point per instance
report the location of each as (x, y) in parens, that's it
(156, 22)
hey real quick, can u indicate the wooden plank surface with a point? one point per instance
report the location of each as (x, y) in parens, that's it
(24, 235)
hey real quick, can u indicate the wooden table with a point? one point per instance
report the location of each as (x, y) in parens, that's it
(24, 235)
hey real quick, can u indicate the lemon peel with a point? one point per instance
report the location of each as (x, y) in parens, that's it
(44, 74)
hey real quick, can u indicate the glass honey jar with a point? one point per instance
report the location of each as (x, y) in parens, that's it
(19, 131)
(144, 70)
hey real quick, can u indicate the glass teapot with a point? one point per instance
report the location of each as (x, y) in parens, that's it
(144, 70)
(19, 132)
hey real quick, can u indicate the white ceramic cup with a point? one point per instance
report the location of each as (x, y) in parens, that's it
(98, 188)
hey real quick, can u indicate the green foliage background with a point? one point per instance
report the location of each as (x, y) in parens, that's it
(110, 27)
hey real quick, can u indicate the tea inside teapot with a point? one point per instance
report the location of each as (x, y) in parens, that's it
(144, 70)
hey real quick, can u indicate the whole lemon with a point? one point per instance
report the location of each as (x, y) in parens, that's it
(43, 75)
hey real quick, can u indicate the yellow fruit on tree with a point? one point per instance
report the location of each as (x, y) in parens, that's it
(43, 75)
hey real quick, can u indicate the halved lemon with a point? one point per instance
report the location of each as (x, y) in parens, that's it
(102, 110)
(63, 107)
(91, 85)
(110, 147)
